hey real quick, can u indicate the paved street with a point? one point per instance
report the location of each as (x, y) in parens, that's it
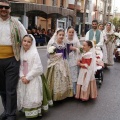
(106, 107)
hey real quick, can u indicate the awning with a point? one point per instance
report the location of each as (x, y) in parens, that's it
(39, 10)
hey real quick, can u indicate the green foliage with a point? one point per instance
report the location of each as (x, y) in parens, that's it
(116, 22)
(78, 36)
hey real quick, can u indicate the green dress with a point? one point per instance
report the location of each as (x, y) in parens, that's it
(47, 99)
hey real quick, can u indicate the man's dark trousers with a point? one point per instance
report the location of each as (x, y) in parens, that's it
(9, 75)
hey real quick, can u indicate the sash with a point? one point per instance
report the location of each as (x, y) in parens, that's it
(15, 37)
(6, 51)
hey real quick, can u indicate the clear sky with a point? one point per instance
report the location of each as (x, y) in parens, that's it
(116, 5)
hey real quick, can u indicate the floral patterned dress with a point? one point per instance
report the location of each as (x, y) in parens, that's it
(58, 74)
(30, 96)
(72, 60)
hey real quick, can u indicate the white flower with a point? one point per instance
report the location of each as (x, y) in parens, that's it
(51, 49)
(117, 34)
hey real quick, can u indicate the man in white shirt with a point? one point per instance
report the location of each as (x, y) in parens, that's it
(11, 34)
(94, 34)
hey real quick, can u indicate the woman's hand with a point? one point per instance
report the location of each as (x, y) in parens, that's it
(59, 54)
(72, 48)
(79, 63)
(82, 65)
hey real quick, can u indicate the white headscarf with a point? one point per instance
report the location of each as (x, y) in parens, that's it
(54, 37)
(76, 43)
(75, 37)
(32, 57)
(28, 54)
(112, 28)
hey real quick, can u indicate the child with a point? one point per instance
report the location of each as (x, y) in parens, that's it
(86, 84)
(30, 94)
(58, 74)
(73, 46)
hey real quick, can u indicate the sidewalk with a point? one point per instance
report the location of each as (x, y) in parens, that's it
(82, 39)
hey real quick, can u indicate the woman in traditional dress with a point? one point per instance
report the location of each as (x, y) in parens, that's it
(104, 49)
(86, 84)
(30, 90)
(110, 43)
(73, 50)
(58, 73)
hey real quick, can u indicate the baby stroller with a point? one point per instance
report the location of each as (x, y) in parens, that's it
(117, 52)
(100, 65)
(117, 47)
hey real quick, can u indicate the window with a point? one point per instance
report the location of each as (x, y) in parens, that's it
(62, 3)
(44, 1)
(54, 2)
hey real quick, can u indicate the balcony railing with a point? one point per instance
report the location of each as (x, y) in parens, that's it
(32, 1)
(86, 19)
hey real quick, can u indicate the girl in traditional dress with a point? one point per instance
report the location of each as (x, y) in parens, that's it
(110, 43)
(104, 49)
(58, 74)
(73, 50)
(86, 84)
(30, 93)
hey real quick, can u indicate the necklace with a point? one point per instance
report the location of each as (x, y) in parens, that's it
(60, 46)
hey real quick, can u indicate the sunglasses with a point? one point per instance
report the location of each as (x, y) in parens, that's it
(6, 7)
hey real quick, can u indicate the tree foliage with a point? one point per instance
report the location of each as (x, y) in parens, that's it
(116, 22)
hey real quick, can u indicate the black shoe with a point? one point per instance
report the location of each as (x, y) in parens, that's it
(3, 116)
(11, 118)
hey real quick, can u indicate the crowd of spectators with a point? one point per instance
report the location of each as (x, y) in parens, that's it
(42, 36)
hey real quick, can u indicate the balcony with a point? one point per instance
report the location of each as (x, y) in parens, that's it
(101, 10)
(95, 8)
(87, 7)
(72, 6)
(86, 19)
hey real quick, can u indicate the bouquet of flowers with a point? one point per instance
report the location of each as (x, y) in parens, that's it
(51, 49)
(111, 37)
(81, 49)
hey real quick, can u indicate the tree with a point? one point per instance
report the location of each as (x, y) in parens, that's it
(116, 22)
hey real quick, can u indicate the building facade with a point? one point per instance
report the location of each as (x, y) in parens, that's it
(109, 10)
(48, 14)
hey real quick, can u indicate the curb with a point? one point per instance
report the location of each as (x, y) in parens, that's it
(45, 47)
